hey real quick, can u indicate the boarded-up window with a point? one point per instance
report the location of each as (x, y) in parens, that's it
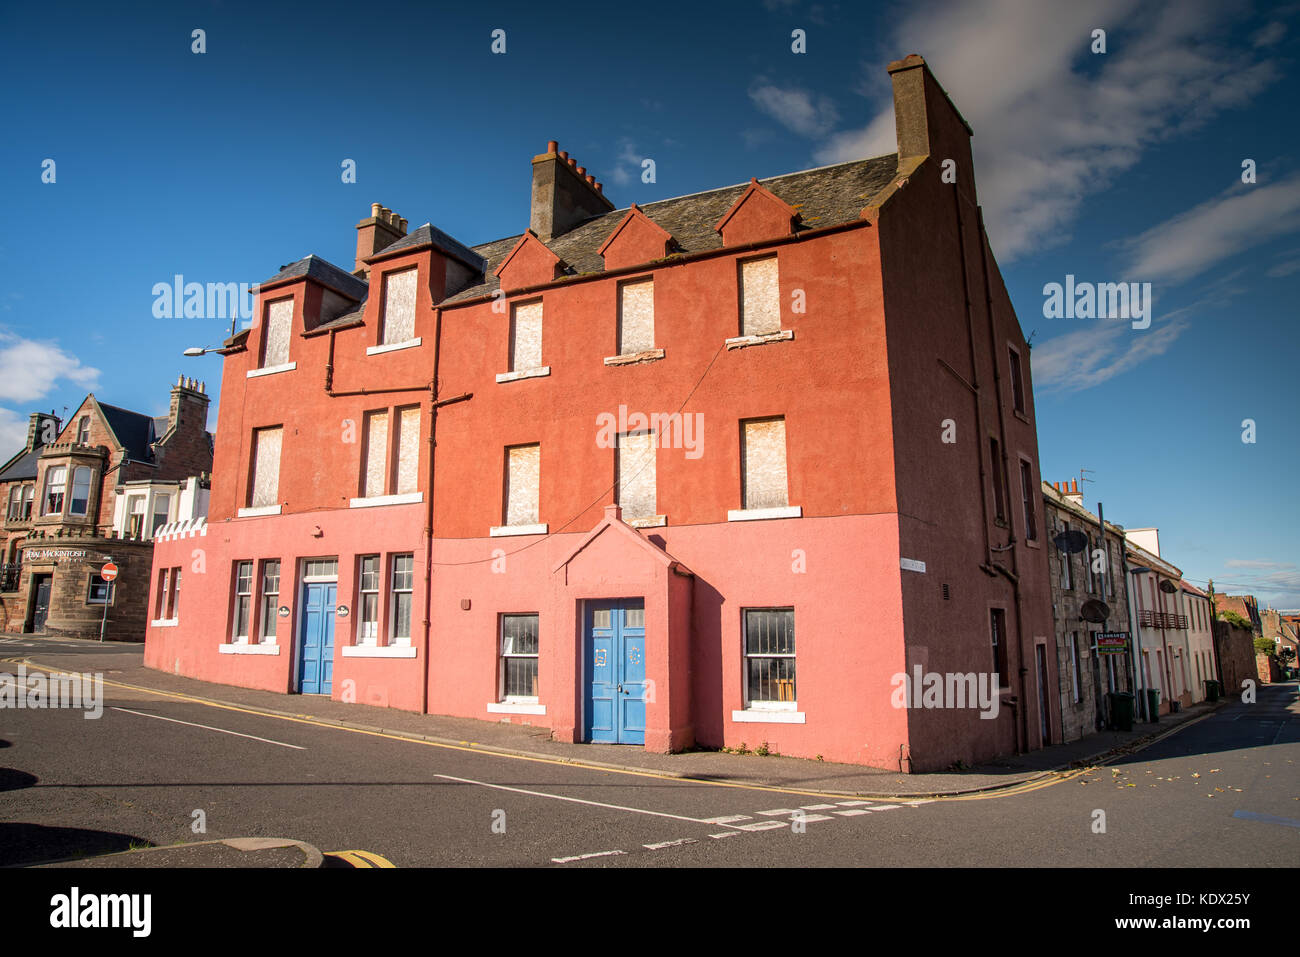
(526, 337)
(408, 450)
(523, 467)
(760, 297)
(636, 317)
(279, 321)
(399, 307)
(636, 474)
(376, 454)
(266, 466)
(762, 460)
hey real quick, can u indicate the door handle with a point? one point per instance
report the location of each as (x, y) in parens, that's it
(620, 689)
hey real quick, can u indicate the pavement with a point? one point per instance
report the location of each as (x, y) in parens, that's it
(123, 664)
(265, 852)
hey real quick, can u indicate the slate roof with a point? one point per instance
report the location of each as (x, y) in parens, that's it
(23, 467)
(324, 272)
(430, 234)
(133, 429)
(828, 196)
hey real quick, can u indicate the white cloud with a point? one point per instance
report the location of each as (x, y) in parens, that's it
(1055, 123)
(1098, 352)
(1270, 34)
(1242, 217)
(13, 433)
(796, 109)
(627, 163)
(31, 369)
(1284, 269)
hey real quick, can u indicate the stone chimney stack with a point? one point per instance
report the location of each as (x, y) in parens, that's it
(564, 195)
(927, 122)
(38, 431)
(377, 232)
(189, 405)
(1071, 492)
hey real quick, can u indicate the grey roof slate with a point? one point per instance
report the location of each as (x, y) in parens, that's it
(324, 272)
(430, 234)
(133, 429)
(21, 468)
(828, 196)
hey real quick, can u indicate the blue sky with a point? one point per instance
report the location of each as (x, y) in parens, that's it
(1116, 166)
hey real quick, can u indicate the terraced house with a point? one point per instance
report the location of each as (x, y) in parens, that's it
(94, 489)
(708, 470)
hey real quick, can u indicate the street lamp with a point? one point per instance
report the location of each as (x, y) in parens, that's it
(193, 351)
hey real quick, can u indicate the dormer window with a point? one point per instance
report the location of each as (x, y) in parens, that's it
(397, 323)
(279, 323)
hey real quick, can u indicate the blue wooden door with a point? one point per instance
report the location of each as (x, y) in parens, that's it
(614, 646)
(316, 638)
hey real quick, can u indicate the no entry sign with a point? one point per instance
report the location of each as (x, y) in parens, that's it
(108, 572)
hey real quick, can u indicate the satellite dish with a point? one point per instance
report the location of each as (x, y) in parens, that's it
(1094, 611)
(1167, 586)
(1071, 542)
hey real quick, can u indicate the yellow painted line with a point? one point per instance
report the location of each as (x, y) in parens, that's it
(471, 747)
(361, 859)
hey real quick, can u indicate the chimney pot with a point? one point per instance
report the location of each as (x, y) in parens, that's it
(564, 155)
(582, 171)
(402, 225)
(600, 189)
(591, 180)
(552, 146)
(374, 210)
(572, 162)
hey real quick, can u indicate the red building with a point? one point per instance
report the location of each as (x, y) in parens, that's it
(711, 471)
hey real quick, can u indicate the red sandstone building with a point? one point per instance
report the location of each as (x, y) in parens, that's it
(708, 471)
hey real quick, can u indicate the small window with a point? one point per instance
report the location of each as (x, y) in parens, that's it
(375, 481)
(270, 600)
(400, 605)
(1067, 562)
(762, 462)
(408, 450)
(636, 317)
(368, 600)
(519, 658)
(176, 593)
(526, 336)
(80, 502)
(135, 516)
(1076, 662)
(160, 599)
(760, 297)
(999, 484)
(15, 509)
(1027, 494)
(279, 324)
(99, 592)
(636, 474)
(769, 658)
(998, 630)
(29, 495)
(321, 568)
(523, 467)
(243, 600)
(397, 323)
(56, 480)
(83, 430)
(265, 480)
(1017, 381)
(161, 512)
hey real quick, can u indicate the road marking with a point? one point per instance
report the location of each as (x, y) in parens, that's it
(583, 857)
(730, 819)
(725, 834)
(677, 843)
(361, 859)
(884, 807)
(777, 812)
(760, 825)
(206, 727)
(809, 818)
(818, 807)
(852, 812)
(574, 800)
(852, 803)
(1266, 818)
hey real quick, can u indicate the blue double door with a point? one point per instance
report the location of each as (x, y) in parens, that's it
(316, 638)
(614, 649)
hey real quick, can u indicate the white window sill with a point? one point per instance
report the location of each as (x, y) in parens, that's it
(271, 370)
(754, 514)
(378, 651)
(523, 374)
(259, 510)
(739, 342)
(393, 346)
(515, 707)
(244, 648)
(760, 716)
(650, 521)
(374, 501)
(631, 358)
(163, 622)
(500, 531)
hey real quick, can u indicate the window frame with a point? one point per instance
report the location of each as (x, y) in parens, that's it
(503, 657)
(1017, 380)
(49, 491)
(998, 635)
(268, 614)
(83, 430)
(750, 703)
(236, 595)
(395, 640)
(93, 581)
(72, 490)
(1027, 496)
(362, 638)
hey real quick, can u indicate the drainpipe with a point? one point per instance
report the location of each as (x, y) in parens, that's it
(1135, 647)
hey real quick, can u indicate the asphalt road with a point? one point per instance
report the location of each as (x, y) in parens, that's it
(1224, 791)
